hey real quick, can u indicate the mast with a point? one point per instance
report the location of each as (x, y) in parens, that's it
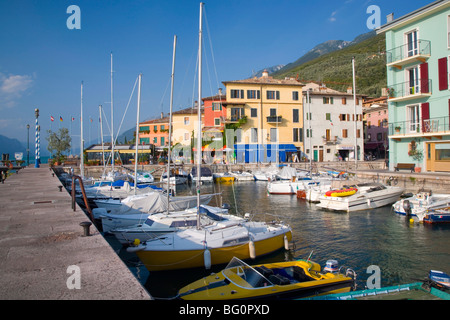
(354, 107)
(170, 121)
(81, 137)
(112, 117)
(137, 134)
(199, 132)
(101, 133)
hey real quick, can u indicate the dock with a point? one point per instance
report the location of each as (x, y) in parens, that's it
(44, 252)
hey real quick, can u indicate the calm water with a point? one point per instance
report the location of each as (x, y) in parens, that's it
(404, 252)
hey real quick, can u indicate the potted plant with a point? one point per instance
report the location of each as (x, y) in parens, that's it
(417, 155)
(397, 128)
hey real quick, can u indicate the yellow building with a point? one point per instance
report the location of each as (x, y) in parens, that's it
(269, 113)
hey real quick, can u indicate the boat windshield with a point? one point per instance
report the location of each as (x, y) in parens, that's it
(237, 270)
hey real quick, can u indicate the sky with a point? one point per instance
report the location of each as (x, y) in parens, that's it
(43, 62)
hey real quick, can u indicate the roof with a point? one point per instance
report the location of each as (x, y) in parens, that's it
(317, 89)
(192, 110)
(158, 120)
(265, 79)
(416, 14)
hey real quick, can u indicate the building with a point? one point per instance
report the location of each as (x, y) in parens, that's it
(417, 61)
(266, 115)
(215, 111)
(155, 131)
(376, 122)
(329, 121)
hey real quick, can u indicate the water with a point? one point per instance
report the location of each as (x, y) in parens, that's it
(404, 252)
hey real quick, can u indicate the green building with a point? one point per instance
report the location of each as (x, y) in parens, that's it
(417, 61)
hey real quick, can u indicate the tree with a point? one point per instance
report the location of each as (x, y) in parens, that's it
(59, 142)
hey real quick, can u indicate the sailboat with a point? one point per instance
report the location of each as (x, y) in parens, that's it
(210, 242)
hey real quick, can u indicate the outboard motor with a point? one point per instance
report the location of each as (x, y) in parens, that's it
(407, 207)
(331, 266)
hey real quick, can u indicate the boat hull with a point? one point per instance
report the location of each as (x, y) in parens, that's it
(159, 260)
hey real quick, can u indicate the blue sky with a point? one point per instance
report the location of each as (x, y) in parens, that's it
(42, 62)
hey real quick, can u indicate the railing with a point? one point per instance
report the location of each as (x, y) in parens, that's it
(418, 48)
(330, 140)
(274, 119)
(434, 125)
(408, 88)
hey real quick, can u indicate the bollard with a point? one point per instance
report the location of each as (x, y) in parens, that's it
(60, 188)
(86, 225)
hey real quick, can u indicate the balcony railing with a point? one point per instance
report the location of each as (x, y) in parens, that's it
(274, 119)
(429, 127)
(410, 90)
(233, 119)
(420, 49)
(330, 140)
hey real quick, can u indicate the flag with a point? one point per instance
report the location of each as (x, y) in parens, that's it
(51, 118)
(73, 118)
(60, 119)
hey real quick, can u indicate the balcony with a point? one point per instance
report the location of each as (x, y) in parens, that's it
(330, 140)
(405, 91)
(274, 119)
(428, 128)
(234, 119)
(419, 51)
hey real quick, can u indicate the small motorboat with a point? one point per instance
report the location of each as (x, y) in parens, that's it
(421, 203)
(281, 280)
(437, 216)
(205, 174)
(224, 177)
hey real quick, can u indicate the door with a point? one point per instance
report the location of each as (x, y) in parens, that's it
(315, 158)
(412, 43)
(321, 155)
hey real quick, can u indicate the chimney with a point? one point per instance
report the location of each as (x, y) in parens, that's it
(349, 90)
(390, 17)
(162, 115)
(220, 91)
(265, 73)
(384, 92)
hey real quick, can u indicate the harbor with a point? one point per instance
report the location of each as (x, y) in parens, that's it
(38, 220)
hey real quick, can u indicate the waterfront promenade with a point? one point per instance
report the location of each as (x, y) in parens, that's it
(44, 254)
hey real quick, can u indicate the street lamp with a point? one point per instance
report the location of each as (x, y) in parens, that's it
(37, 140)
(28, 145)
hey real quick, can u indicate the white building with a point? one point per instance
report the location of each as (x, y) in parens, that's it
(329, 123)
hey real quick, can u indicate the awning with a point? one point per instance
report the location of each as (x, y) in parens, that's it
(344, 147)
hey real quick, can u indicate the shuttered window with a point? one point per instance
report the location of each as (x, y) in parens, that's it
(443, 74)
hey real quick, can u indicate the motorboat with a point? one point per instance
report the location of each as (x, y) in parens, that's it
(266, 174)
(242, 175)
(437, 216)
(119, 189)
(420, 203)
(206, 174)
(142, 177)
(223, 177)
(294, 185)
(161, 223)
(280, 280)
(367, 196)
(177, 176)
(313, 193)
(212, 244)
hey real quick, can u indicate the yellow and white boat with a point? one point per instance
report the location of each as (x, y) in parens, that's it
(281, 280)
(212, 244)
(223, 177)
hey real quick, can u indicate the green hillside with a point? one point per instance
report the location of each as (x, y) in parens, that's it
(335, 68)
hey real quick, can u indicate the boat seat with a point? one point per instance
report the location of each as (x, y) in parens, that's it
(300, 276)
(279, 279)
(266, 272)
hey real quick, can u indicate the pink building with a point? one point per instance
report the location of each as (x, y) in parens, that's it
(376, 127)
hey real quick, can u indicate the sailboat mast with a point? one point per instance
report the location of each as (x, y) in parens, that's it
(170, 120)
(137, 133)
(112, 117)
(354, 110)
(199, 132)
(81, 137)
(101, 133)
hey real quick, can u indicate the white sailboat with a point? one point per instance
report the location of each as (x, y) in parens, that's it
(214, 242)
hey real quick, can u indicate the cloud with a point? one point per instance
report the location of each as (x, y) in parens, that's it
(12, 87)
(332, 18)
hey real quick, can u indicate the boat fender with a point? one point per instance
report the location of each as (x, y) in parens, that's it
(286, 243)
(207, 259)
(137, 248)
(251, 249)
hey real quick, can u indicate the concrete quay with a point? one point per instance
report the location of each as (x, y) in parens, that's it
(44, 254)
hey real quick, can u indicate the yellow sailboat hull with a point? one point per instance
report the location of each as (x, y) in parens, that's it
(155, 260)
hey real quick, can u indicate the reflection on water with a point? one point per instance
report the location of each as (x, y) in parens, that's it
(404, 252)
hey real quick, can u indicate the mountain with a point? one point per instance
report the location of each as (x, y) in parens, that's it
(269, 69)
(11, 146)
(335, 68)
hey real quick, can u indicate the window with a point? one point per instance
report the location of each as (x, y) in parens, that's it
(344, 100)
(295, 95)
(144, 128)
(343, 117)
(273, 134)
(328, 116)
(413, 117)
(254, 134)
(155, 140)
(309, 133)
(273, 112)
(379, 136)
(448, 31)
(273, 95)
(162, 127)
(253, 112)
(344, 133)
(411, 43)
(308, 116)
(186, 120)
(216, 106)
(358, 133)
(253, 94)
(237, 94)
(413, 80)
(217, 121)
(297, 134)
(155, 128)
(238, 133)
(162, 141)
(328, 134)
(186, 136)
(295, 117)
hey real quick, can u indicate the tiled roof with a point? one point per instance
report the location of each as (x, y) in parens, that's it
(265, 79)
